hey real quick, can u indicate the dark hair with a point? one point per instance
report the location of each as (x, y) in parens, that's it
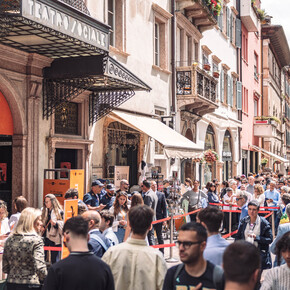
(107, 216)
(71, 193)
(189, 181)
(286, 198)
(282, 245)
(254, 203)
(20, 203)
(78, 226)
(240, 260)
(225, 183)
(146, 183)
(212, 217)
(211, 184)
(140, 218)
(196, 227)
(117, 206)
(208, 185)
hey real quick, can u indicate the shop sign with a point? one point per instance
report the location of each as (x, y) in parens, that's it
(49, 16)
(227, 155)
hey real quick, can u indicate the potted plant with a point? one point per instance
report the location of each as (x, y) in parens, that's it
(216, 74)
(206, 66)
(210, 156)
(264, 162)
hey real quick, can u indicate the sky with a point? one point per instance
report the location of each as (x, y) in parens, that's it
(279, 9)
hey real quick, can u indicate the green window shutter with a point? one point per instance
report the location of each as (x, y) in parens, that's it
(232, 92)
(231, 27)
(229, 90)
(228, 21)
(239, 95)
(222, 86)
(238, 33)
(220, 20)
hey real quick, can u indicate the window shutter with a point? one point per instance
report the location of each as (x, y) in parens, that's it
(232, 92)
(222, 86)
(220, 20)
(228, 21)
(238, 33)
(229, 90)
(239, 95)
(231, 27)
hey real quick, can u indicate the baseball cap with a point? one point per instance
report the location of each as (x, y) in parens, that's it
(97, 182)
(110, 186)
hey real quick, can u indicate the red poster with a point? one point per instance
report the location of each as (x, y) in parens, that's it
(3, 172)
(64, 165)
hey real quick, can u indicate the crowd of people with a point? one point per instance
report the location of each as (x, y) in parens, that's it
(110, 240)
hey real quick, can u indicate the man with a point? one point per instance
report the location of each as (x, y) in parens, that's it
(241, 263)
(166, 188)
(194, 198)
(107, 219)
(211, 218)
(195, 270)
(161, 213)
(108, 199)
(134, 264)
(249, 195)
(124, 186)
(241, 200)
(92, 198)
(150, 199)
(98, 243)
(81, 269)
(73, 193)
(251, 186)
(280, 184)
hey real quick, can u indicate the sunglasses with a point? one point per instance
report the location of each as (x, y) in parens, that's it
(186, 245)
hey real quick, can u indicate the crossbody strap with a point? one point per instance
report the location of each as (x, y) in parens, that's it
(99, 239)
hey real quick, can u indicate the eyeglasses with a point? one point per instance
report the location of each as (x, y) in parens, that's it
(237, 199)
(186, 245)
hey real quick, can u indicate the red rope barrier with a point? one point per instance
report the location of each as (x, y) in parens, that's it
(222, 204)
(55, 249)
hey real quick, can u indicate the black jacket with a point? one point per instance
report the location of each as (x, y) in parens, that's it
(264, 239)
(161, 211)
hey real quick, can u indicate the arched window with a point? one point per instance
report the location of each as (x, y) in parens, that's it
(209, 142)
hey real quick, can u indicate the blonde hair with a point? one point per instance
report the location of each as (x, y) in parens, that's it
(259, 188)
(55, 206)
(27, 221)
(4, 206)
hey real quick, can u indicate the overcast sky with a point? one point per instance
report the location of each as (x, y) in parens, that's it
(279, 9)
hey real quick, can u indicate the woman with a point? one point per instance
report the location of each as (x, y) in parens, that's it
(4, 231)
(224, 187)
(278, 277)
(188, 184)
(23, 257)
(120, 210)
(212, 196)
(136, 200)
(257, 230)
(52, 217)
(19, 203)
(259, 195)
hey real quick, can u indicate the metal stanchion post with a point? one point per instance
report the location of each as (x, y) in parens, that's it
(273, 226)
(230, 224)
(171, 259)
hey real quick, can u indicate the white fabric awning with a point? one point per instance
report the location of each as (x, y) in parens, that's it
(175, 144)
(270, 154)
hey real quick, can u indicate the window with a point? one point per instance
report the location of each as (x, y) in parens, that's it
(160, 34)
(245, 47)
(255, 107)
(205, 58)
(178, 47)
(245, 100)
(215, 66)
(189, 49)
(156, 44)
(116, 21)
(158, 146)
(256, 65)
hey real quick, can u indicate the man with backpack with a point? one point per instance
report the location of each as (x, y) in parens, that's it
(98, 243)
(195, 271)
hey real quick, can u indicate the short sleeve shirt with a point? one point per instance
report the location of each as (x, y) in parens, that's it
(91, 199)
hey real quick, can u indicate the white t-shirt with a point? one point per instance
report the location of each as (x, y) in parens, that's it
(13, 221)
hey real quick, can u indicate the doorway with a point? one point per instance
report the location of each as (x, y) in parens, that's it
(66, 158)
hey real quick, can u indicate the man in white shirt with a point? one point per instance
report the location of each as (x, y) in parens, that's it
(134, 263)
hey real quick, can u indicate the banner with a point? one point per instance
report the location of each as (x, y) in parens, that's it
(70, 210)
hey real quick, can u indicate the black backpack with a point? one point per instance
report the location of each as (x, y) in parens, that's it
(218, 276)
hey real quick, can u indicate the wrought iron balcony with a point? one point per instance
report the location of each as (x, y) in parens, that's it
(199, 12)
(196, 90)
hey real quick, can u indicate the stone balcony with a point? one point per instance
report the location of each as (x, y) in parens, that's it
(249, 16)
(265, 128)
(198, 12)
(196, 90)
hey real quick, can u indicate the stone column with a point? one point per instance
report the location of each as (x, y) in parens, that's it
(219, 170)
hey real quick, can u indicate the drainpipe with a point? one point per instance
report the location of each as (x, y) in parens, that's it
(173, 76)
(262, 79)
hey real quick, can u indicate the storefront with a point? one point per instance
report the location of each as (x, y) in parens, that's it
(58, 79)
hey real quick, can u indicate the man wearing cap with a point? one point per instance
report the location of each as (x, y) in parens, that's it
(108, 199)
(92, 198)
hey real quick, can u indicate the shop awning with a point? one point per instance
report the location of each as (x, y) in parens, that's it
(55, 28)
(270, 154)
(175, 144)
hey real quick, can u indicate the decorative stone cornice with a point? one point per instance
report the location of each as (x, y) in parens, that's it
(234, 74)
(206, 49)
(216, 59)
(184, 23)
(161, 11)
(234, 10)
(225, 67)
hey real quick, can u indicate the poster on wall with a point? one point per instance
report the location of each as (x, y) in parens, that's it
(66, 165)
(120, 172)
(3, 172)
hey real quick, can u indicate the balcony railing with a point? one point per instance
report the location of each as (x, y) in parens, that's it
(196, 89)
